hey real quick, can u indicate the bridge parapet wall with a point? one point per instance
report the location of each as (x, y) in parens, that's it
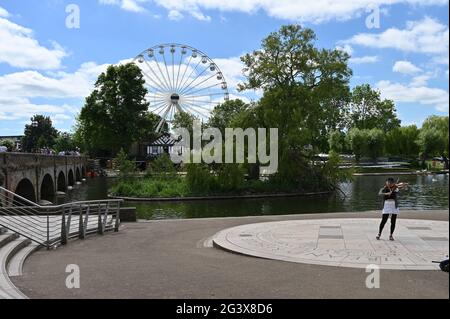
(17, 167)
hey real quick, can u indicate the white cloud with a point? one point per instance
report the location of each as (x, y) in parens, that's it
(346, 48)
(32, 84)
(365, 59)
(19, 49)
(4, 13)
(427, 36)
(17, 90)
(305, 11)
(127, 5)
(16, 108)
(175, 15)
(420, 80)
(401, 93)
(406, 67)
(232, 70)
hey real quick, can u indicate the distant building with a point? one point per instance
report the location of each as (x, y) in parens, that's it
(16, 140)
(165, 143)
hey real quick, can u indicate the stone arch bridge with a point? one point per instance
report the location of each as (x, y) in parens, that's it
(39, 177)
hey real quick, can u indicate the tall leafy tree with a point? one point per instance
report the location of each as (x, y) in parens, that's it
(65, 142)
(357, 140)
(185, 120)
(369, 111)
(402, 142)
(375, 143)
(148, 129)
(433, 138)
(304, 87)
(116, 111)
(39, 134)
(337, 141)
(223, 114)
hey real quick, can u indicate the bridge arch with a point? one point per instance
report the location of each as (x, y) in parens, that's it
(61, 182)
(70, 178)
(47, 188)
(26, 190)
(78, 175)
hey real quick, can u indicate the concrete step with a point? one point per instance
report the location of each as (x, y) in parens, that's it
(7, 238)
(15, 265)
(3, 230)
(7, 252)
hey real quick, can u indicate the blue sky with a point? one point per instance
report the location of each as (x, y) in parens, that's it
(48, 68)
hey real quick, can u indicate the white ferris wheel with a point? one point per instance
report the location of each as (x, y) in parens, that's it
(180, 78)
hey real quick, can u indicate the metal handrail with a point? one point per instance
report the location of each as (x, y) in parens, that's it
(50, 226)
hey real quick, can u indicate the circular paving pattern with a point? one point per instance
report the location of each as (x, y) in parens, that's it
(342, 242)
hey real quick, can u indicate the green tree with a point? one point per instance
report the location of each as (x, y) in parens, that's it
(8, 144)
(302, 85)
(65, 142)
(433, 138)
(162, 167)
(402, 142)
(148, 129)
(375, 143)
(124, 165)
(185, 120)
(40, 133)
(369, 111)
(230, 177)
(116, 111)
(223, 114)
(199, 180)
(337, 141)
(357, 140)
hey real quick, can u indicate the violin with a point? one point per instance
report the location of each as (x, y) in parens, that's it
(397, 186)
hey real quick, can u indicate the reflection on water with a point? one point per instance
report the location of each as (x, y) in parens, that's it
(425, 192)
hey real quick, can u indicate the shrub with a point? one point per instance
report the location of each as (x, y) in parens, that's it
(199, 180)
(162, 167)
(124, 165)
(230, 178)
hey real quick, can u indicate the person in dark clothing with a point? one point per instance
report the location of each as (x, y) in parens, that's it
(390, 205)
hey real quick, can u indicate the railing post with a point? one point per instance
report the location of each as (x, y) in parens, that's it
(81, 224)
(48, 231)
(117, 225)
(101, 229)
(69, 222)
(86, 221)
(63, 228)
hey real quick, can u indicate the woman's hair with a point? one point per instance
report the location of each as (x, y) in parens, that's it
(390, 180)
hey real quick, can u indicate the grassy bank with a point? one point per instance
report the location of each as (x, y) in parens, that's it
(178, 186)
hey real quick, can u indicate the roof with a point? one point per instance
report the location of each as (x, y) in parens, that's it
(164, 140)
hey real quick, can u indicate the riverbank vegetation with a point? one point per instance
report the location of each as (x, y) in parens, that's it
(164, 180)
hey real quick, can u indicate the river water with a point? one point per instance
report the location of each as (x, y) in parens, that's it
(426, 192)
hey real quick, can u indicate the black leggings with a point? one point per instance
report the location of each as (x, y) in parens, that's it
(384, 220)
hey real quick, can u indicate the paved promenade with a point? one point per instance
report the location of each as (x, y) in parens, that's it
(342, 242)
(175, 259)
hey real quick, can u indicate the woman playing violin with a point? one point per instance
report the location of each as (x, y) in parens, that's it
(390, 204)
